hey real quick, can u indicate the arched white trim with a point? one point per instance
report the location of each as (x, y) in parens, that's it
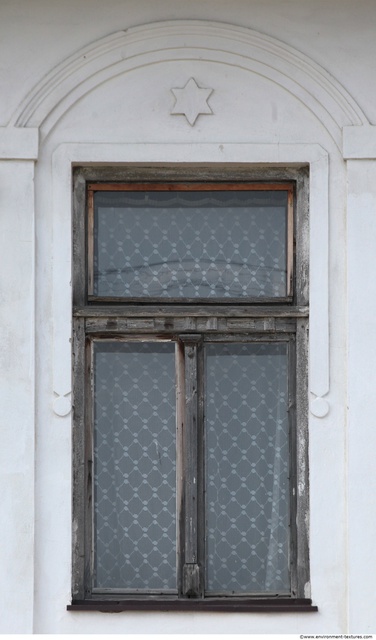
(154, 43)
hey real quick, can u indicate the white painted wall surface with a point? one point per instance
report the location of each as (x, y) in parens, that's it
(293, 83)
(361, 239)
(17, 248)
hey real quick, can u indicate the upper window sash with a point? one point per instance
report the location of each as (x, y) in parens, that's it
(197, 242)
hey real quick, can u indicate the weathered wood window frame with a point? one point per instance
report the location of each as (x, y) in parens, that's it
(191, 325)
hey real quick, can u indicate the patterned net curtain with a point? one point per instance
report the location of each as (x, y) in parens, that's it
(192, 245)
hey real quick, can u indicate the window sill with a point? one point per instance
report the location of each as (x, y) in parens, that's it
(240, 605)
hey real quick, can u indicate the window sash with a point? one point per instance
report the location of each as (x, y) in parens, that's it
(247, 452)
(192, 532)
(134, 418)
(233, 275)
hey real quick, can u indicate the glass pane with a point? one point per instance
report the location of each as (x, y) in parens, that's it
(202, 244)
(134, 466)
(247, 468)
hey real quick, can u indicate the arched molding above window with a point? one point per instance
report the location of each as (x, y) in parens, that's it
(194, 40)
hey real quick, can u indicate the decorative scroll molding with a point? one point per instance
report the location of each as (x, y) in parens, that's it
(320, 407)
(197, 40)
(61, 293)
(312, 154)
(62, 405)
(191, 101)
(319, 281)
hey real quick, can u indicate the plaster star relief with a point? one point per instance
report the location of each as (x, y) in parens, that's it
(191, 101)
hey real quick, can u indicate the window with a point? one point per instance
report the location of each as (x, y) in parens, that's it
(189, 350)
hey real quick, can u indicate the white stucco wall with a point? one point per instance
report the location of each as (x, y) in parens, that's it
(293, 83)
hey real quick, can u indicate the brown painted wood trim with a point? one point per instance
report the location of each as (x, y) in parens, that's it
(230, 605)
(191, 186)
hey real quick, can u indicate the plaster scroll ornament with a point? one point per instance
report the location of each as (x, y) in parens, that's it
(320, 407)
(191, 101)
(62, 405)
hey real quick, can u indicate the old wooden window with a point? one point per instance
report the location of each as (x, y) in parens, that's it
(189, 349)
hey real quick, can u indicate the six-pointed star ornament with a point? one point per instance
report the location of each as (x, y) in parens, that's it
(191, 101)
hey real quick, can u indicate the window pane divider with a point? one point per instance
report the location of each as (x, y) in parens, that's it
(226, 310)
(191, 575)
(190, 186)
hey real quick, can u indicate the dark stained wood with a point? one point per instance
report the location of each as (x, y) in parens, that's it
(185, 172)
(230, 605)
(78, 459)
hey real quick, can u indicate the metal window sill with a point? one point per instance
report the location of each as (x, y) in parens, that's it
(230, 605)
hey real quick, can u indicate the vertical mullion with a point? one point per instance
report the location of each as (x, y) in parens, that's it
(191, 410)
(191, 572)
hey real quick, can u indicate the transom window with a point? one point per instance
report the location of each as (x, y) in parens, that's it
(193, 242)
(189, 349)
